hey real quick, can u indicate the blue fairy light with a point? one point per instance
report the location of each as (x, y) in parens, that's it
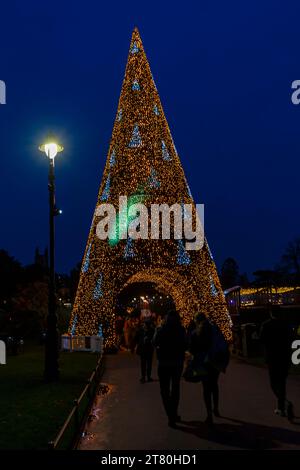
(98, 288)
(188, 188)
(136, 140)
(213, 289)
(120, 114)
(129, 251)
(135, 86)
(74, 323)
(183, 258)
(112, 159)
(86, 262)
(155, 110)
(165, 154)
(100, 331)
(153, 81)
(184, 212)
(106, 191)
(174, 146)
(209, 251)
(134, 49)
(153, 181)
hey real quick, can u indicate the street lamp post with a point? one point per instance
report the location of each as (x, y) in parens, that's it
(51, 149)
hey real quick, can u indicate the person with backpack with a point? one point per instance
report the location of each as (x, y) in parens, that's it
(145, 348)
(210, 353)
(170, 343)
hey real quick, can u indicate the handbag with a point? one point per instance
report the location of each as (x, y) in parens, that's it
(194, 371)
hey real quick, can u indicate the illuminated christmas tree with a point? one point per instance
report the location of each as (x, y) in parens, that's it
(143, 164)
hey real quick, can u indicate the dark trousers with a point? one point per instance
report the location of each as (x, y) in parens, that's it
(278, 375)
(211, 390)
(146, 364)
(169, 379)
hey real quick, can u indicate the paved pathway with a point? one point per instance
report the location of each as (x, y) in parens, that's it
(131, 415)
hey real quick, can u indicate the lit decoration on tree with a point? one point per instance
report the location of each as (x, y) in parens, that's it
(214, 290)
(136, 140)
(209, 252)
(106, 191)
(146, 156)
(98, 289)
(185, 213)
(86, 263)
(182, 256)
(112, 159)
(155, 110)
(134, 49)
(73, 327)
(119, 117)
(153, 181)
(129, 250)
(100, 331)
(135, 86)
(165, 153)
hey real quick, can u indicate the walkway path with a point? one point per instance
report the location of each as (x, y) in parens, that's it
(131, 415)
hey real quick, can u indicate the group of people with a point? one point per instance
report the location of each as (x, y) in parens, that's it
(173, 346)
(176, 348)
(126, 329)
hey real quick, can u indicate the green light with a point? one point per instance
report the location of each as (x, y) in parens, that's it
(123, 220)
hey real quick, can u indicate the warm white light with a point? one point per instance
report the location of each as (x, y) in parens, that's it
(51, 150)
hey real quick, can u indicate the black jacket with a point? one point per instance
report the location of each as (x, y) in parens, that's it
(170, 345)
(201, 340)
(276, 336)
(144, 340)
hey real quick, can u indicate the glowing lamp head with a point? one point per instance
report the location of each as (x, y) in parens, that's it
(51, 149)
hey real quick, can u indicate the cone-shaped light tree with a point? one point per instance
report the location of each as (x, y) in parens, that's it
(143, 165)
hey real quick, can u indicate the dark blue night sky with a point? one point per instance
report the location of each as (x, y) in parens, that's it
(223, 71)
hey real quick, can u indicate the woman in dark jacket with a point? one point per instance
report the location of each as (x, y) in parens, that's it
(170, 343)
(201, 347)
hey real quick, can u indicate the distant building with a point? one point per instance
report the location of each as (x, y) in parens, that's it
(238, 297)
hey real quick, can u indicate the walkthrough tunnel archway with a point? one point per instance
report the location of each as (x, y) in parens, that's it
(170, 283)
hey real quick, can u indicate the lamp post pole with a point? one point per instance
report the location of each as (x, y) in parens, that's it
(51, 350)
(51, 372)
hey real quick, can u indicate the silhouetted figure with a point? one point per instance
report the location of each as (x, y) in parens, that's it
(126, 330)
(210, 350)
(191, 327)
(134, 326)
(170, 343)
(119, 329)
(277, 337)
(144, 341)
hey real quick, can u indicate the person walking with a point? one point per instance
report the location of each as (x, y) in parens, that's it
(210, 351)
(145, 348)
(126, 330)
(170, 343)
(276, 336)
(119, 329)
(133, 328)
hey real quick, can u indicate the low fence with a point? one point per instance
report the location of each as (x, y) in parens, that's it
(69, 434)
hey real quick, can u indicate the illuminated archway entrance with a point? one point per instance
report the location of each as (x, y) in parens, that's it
(172, 284)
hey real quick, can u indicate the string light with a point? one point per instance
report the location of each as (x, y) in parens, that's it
(112, 159)
(147, 167)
